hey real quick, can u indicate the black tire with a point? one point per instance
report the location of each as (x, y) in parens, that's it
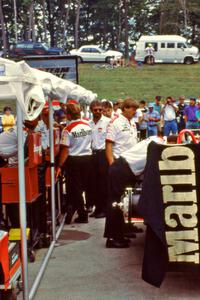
(107, 59)
(188, 61)
(80, 60)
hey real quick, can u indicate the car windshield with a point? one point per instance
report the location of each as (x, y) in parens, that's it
(188, 44)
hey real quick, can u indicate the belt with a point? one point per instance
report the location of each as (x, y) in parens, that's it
(170, 120)
(95, 151)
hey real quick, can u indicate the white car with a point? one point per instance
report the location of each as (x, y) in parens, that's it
(93, 53)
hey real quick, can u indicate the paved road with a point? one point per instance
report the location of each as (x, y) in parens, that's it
(81, 268)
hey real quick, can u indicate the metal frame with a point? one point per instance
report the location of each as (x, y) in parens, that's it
(22, 203)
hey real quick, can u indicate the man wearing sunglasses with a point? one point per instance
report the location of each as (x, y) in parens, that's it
(99, 124)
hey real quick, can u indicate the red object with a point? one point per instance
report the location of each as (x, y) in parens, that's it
(179, 138)
(9, 175)
(35, 150)
(56, 135)
(9, 260)
(72, 102)
(4, 258)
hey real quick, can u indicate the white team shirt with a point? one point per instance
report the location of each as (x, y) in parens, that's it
(78, 137)
(122, 133)
(9, 145)
(99, 131)
(169, 112)
(138, 115)
(136, 156)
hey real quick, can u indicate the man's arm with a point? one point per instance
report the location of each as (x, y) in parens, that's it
(109, 152)
(64, 153)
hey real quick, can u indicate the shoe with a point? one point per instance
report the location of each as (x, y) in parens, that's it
(136, 229)
(100, 215)
(92, 215)
(81, 219)
(111, 243)
(130, 235)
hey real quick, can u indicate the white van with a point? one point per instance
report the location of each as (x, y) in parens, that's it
(168, 49)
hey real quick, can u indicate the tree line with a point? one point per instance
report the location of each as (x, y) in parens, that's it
(111, 24)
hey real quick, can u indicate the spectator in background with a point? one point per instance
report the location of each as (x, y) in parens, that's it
(180, 113)
(8, 120)
(190, 114)
(60, 113)
(107, 109)
(150, 54)
(143, 123)
(158, 107)
(152, 117)
(137, 119)
(169, 113)
(198, 114)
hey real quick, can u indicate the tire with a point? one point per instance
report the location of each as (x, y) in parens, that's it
(80, 60)
(188, 61)
(107, 59)
(96, 67)
(109, 67)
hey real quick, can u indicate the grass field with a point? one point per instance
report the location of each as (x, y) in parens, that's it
(143, 82)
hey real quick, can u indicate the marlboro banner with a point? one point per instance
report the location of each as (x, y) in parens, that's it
(169, 204)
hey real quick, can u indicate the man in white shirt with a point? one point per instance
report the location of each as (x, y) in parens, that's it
(121, 136)
(76, 151)
(169, 113)
(125, 169)
(99, 178)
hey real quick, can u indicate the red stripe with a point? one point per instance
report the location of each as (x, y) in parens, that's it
(74, 124)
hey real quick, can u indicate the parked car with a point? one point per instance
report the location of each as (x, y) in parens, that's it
(93, 53)
(25, 48)
(168, 49)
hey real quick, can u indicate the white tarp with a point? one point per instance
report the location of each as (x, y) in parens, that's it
(31, 86)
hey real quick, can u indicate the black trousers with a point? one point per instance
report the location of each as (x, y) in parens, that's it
(99, 181)
(78, 171)
(120, 176)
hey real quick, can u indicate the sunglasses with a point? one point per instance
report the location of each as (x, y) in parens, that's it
(97, 109)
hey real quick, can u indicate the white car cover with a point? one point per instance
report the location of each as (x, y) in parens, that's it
(31, 86)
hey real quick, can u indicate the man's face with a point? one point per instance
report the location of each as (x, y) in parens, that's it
(150, 109)
(97, 111)
(192, 102)
(181, 100)
(107, 112)
(130, 112)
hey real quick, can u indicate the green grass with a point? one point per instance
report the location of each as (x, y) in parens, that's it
(141, 82)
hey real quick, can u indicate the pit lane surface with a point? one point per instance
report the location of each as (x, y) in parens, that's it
(81, 268)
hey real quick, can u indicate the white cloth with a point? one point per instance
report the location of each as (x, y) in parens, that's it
(169, 112)
(30, 87)
(41, 127)
(136, 156)
(122, 133)
(9, 145)
(99, 131)
(78, 137)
